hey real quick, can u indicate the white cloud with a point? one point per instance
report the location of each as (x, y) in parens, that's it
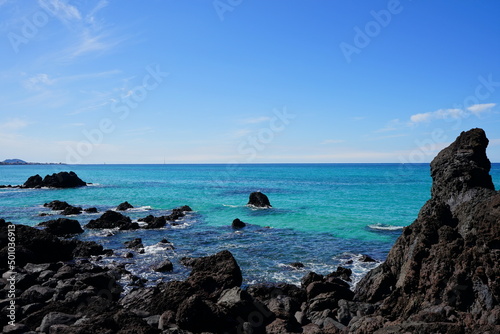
(477, 109)
(91, 43)
(256, 120)
(494, 142)
(38, 81)
(438, 114)
(60, 9)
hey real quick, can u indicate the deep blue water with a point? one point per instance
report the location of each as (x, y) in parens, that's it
(323, 214)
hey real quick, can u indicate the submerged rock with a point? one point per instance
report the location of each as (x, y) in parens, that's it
(259, 200)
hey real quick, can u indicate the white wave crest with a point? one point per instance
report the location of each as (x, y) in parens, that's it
(384, 227)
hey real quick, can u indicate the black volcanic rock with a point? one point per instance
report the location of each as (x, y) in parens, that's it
(38, 246)
(63, 180)
(221, 268)
(165, 265)
(91, 210)
(259, 200)
(56, 180)
(34, 181)
(156, 222)
(62, 226)
(462, 169)
(57, 205)
(66, 208)
(124, 206)
(442, 273)
(178, 213)
(238, 224)
(136, 243)
(72, 210)
(113, 219)
(210, 276)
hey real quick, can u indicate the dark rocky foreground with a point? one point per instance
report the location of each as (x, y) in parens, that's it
(441, 276)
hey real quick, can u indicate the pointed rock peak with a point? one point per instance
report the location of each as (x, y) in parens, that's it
(460, 167)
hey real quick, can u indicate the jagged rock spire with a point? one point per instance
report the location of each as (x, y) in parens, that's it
(461, 167)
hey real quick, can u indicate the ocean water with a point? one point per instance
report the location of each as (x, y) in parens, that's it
(323, 215)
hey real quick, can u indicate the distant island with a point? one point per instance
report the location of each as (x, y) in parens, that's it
(22, 162)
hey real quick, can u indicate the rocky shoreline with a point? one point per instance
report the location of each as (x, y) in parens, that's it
(441, 276)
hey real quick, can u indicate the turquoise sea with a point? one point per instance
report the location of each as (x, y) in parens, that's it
(323, 215)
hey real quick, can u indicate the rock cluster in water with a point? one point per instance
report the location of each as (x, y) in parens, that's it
(441, 276)
(56, 180)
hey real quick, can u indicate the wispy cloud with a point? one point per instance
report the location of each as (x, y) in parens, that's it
(90, 18)
(90, 42)
(241, 133)
(38, 81)
(442, 114)
(73, 125)
(140, 131)
(61, 10)
(14, 124)
(438, 114)
(90, 33)
(256, 120)
(477, 109)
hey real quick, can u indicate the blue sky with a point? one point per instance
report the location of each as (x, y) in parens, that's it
(240, 81)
